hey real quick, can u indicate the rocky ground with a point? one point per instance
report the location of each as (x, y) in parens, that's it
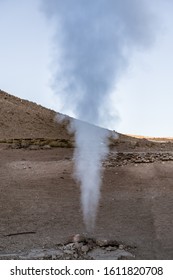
(40, 206)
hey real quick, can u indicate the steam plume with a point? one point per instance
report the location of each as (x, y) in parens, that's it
(95, 39)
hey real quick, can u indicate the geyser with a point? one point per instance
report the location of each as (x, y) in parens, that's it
(90, 151)
(94, 40)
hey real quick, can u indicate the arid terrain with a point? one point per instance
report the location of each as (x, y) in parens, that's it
(40, 212)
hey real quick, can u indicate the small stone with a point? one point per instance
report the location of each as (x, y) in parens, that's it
(33, 147)
(67, 258)
(78, 245)
(75, 256)
(110, 248)
(121, 247)
(78, 238)
(46, 147)
(102, 242)
(69, 246)
(84, 248)
(68, 252)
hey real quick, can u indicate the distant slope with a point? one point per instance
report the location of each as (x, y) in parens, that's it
(23, 119)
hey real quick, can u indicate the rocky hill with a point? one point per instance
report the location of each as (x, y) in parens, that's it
(24, 123)
(24, 119)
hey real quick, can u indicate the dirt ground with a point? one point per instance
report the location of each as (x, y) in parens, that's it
(40, 201)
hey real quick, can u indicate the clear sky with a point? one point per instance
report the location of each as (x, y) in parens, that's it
(143, 96)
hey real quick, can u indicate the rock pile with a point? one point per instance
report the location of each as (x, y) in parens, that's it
(125, 158)
(82, 248)
(77, 248)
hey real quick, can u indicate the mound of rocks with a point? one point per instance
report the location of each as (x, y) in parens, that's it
(77, 247)
(125, 158)
(83, 248)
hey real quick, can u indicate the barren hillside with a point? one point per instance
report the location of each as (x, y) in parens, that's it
(24, 123)
(24, 119)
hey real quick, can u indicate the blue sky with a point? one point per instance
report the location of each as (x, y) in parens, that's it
(143, 96)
